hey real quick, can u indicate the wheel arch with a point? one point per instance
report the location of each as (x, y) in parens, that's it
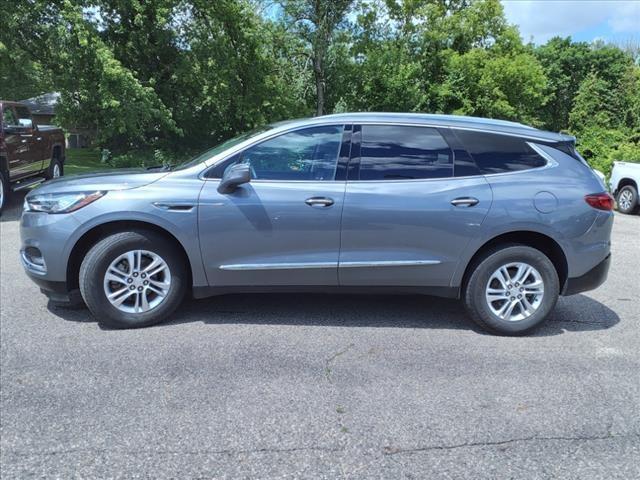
(56, 151)
(627, 181)
(100, 231)
(537, 240)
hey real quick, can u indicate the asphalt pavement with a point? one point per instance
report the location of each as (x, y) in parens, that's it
(321, 386)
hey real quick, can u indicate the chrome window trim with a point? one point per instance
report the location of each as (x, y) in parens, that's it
(550, 161)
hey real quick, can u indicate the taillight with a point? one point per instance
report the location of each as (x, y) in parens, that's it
(601, 201)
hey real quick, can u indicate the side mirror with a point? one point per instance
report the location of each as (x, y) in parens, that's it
(235, 175)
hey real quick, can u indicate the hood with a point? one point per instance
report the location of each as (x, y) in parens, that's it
(121, 179)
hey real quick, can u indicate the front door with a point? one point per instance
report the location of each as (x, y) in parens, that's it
(406, 218)
(32, 137)
(17, 144)
(283, 227)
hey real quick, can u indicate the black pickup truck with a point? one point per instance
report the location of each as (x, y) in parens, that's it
(29, 153)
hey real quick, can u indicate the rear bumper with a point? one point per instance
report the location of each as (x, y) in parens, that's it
(590, 280)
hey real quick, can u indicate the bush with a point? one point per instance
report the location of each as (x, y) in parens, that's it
(141, 158)
(601, 147)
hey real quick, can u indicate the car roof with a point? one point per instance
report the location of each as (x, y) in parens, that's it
(454, 121)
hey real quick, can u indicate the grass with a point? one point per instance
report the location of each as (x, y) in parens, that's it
(83, 160)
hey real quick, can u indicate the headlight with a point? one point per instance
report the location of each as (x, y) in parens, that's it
(60, 202)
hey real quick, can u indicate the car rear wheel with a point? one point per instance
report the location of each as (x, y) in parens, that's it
(133, 279)
(627, 199)
(511, 290)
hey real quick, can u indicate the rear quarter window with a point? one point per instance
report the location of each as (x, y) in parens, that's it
(495, 153)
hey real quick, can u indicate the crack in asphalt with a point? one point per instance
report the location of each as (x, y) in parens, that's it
(395, 451)
(331, 359)
(389, 451)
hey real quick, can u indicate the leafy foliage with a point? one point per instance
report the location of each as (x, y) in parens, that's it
(154, 80)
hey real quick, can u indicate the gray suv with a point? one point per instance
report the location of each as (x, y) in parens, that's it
(502, 215)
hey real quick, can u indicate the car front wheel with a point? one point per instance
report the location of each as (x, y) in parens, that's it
(512, 289)
(132, 279)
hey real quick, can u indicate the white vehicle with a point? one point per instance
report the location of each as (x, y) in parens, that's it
(625, 178)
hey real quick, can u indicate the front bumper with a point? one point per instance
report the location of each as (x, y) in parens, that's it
(590, 280)
(49, 235)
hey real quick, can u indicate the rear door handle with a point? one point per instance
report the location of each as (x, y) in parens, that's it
(319, 201)
(464, 202)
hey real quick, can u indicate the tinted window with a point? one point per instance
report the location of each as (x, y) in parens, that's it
(392, 152)
(307, 154)
(494, 153)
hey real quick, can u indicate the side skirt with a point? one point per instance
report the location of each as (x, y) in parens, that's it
(445, 292)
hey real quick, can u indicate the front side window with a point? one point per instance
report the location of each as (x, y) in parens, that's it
(306, 154)
(395, 152)
(495, 153)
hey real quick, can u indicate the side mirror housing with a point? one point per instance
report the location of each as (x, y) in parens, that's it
(234, 176)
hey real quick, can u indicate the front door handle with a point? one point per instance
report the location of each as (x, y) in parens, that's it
(464, 202)
(319, 201)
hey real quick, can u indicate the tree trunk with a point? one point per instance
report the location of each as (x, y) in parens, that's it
(318, 71)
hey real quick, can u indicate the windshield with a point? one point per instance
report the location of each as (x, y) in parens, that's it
(221, 147)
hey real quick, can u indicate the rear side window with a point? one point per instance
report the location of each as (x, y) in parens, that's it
(394, 152)
(494, 153)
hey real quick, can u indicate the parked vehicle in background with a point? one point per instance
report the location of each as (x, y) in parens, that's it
(625, 178)
(29, 153)
(497, 213)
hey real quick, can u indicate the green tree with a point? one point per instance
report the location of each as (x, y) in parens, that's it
(566, 65)
(20, 76)
(316, 23)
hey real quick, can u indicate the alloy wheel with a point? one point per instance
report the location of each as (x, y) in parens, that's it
(514, 291)
(137, 281)
(625, 199)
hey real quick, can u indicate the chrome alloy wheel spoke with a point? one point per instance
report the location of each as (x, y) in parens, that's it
(514, 291)
(137, 281)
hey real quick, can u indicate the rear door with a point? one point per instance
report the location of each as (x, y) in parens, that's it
(407, 217)
(283, 227)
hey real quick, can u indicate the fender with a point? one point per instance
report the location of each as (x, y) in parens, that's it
(476, 244)
(189, 240)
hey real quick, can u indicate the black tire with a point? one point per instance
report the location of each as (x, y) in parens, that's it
(55, 161)
(633, 203)
(478, 280)
(4, 190)
(97, 261)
